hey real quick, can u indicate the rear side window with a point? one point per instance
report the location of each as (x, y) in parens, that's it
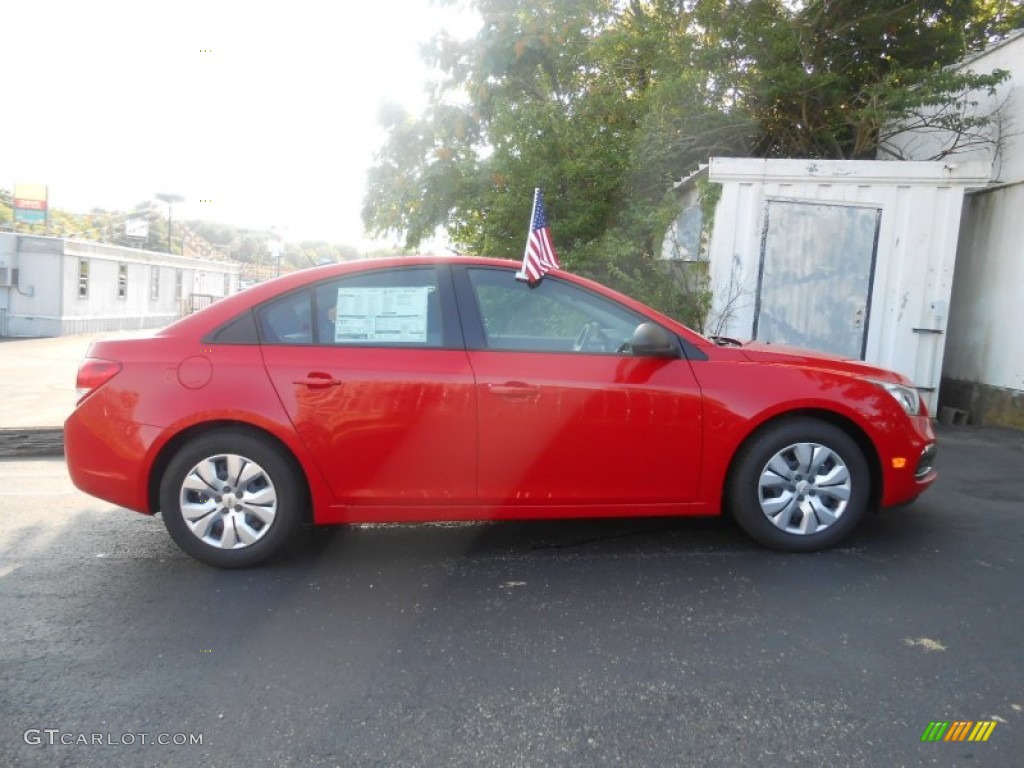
(241, 330)
(398, 307)
(288, 320)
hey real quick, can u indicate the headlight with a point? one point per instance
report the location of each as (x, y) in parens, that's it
(908, 397)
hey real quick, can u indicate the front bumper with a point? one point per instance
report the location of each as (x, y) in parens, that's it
(908, 463)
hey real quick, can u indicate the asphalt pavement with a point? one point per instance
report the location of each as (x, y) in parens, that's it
(614, 643)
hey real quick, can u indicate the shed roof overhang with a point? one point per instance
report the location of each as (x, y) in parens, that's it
(899, 173)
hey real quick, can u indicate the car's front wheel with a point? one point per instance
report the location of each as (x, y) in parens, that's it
(231, 499)
(801, 485)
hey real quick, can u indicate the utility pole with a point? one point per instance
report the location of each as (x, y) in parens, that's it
(170, 199)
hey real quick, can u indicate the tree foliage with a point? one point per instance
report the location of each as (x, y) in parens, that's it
(824, 81)
(604, 103)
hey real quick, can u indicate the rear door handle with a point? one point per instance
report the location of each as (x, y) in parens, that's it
(317, 380)
(514, 390)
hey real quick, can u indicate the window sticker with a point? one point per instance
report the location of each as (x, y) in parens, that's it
(389, 315)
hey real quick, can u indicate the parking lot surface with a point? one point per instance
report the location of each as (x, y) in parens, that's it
(667, 642)
(38, 378)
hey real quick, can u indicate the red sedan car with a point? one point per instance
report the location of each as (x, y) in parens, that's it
(422, 389)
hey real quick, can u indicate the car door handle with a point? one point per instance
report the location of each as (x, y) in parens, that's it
(514, 390)
(318, 380)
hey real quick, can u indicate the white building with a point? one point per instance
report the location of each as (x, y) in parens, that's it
(983, 375)
(53, 286)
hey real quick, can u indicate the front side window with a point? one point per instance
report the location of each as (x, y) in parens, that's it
(553, 316)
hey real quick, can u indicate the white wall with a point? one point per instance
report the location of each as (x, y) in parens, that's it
(1007, 155)
(8, 260)
(986, 338)
(984, 366)
(34, 306)
(210, 283)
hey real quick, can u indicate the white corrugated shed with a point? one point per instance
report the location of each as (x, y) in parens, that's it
(914, 214)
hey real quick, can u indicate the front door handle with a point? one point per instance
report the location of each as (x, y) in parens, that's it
(514, 390)
(318, 380)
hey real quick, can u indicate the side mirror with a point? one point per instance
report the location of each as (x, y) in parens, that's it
(651, 340)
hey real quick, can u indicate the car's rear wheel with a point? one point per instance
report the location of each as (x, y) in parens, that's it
(231, 499)
(800, 485)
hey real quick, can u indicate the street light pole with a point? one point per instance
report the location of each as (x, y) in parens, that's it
(277, 246)
(170, 199)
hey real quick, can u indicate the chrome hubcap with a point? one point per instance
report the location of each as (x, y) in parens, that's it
(228, 501)
(804, 488)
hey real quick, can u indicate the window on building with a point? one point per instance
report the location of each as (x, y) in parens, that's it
(83, 279)
(122, 281)
(689, 228)
(154, 283)
(177, 284)
(227, 283)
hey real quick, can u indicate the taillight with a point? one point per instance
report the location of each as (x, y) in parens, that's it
(93, 373)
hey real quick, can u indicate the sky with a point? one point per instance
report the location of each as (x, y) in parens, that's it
(260, 114)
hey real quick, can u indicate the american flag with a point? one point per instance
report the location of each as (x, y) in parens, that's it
(540, 256)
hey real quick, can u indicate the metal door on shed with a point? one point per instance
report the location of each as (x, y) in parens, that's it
(814, 282)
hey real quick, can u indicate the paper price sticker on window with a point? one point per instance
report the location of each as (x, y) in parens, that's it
(388, 315)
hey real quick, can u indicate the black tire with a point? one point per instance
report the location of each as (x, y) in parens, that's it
(806, 496)
(270, 483)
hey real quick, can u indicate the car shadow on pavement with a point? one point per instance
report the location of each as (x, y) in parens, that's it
(516, 538)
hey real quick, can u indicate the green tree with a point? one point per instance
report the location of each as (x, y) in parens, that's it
(603, 103)
(565, 95)
(824, 79)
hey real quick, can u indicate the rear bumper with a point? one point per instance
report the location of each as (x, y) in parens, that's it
(108, 459)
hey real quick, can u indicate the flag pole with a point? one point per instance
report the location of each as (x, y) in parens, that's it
(520, 275)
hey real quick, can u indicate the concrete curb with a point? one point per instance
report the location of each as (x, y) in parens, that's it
(31, 442)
